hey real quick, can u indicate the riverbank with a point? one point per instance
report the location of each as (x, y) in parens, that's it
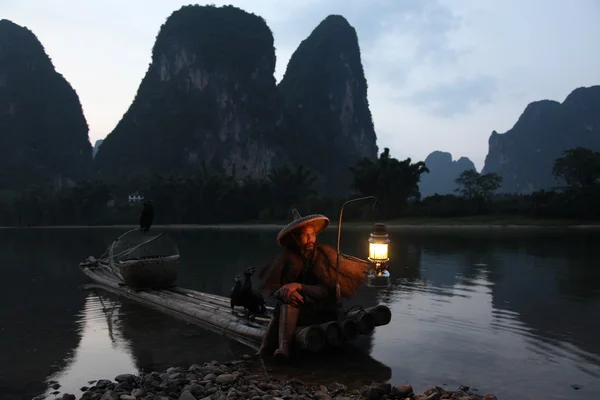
(237, 380)
(475, 222)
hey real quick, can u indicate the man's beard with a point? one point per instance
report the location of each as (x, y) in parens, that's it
(307, 252)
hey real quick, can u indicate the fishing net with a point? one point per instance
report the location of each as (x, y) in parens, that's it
(144, 259)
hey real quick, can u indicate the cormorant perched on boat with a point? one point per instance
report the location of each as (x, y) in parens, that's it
(254, 303)
(243, 295)
(147, 216)
(236, 293)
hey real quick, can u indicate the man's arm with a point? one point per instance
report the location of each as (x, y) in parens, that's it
(316, 292)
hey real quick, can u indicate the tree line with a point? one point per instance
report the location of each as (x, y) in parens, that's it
(209, 198)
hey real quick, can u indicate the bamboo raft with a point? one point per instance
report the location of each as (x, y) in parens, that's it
(214, 313)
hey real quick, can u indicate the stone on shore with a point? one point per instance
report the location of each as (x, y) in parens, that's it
(234, 381)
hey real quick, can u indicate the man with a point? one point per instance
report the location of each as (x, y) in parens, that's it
(305, 278)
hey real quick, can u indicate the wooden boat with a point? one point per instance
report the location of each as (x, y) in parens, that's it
(214, 312)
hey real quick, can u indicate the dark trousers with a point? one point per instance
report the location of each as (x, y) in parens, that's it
(310, 314)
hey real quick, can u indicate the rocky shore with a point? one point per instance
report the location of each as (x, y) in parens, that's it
(234, 380)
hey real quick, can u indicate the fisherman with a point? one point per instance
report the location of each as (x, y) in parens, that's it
(304, 276)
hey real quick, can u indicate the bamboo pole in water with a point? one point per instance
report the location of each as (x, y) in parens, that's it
(199, 298)
(224, 305)
(333, 333)
(210, 308)
(349, 330)
(311, 338)
(365, 322)
(222, 323)
(209, 297)
(380, 314)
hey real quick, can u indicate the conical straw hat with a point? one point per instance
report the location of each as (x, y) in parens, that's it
(319, 221)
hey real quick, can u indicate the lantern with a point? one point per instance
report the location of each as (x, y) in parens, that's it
(379, 240)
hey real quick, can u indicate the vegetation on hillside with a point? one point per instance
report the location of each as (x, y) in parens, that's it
(208, 94)
(208, 198)
(524, 155)
(43, 133)
(328, 124)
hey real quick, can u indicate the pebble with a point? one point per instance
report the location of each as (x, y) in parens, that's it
(124, 377)
(319, 395)
(233, 381)
(225, 378)
(209, 377)
(187, 396)
(404, 390)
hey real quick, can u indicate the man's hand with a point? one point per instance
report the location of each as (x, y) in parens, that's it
(289, 293)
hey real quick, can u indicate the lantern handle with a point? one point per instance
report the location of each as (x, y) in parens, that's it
(339, 233)
(340, 308)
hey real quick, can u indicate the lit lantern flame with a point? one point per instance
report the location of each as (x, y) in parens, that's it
(378, 244)
(378, 254)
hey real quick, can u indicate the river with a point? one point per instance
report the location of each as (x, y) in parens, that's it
(511, 312)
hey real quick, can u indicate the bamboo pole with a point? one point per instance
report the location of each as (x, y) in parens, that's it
(222, 323)
(184, 301)
(380, 314)
(333, 333)
(349, 330)
(365, 322)
(311, 338)
(214, 300)
(211, 298)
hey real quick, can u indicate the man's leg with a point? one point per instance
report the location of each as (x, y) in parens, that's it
(269, 340)
(288, 320)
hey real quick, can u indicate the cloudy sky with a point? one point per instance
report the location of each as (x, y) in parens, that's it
(442, 74)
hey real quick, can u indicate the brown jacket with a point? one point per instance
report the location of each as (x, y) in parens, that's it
(287, 267)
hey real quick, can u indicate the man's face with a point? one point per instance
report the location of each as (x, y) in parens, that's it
(307, 237)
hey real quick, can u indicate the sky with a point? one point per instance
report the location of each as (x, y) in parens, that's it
(442, 74)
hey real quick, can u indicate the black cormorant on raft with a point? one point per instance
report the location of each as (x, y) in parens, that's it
(242, 294)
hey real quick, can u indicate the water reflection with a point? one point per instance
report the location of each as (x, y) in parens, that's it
(510, 312)
(38, 307)
(102, 349)
(493, 301)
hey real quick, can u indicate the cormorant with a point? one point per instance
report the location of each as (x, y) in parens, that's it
(243, 295)
(236, 294)
(147, 216)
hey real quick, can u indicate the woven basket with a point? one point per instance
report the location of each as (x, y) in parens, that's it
(151, 272)
(145, 262)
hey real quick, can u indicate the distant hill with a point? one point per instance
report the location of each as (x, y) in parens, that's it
(327, 115)
(442, 173)
(525, 154)
(43, 132)
(209, 98)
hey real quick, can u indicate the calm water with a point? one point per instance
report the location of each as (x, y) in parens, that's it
(515, 313)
